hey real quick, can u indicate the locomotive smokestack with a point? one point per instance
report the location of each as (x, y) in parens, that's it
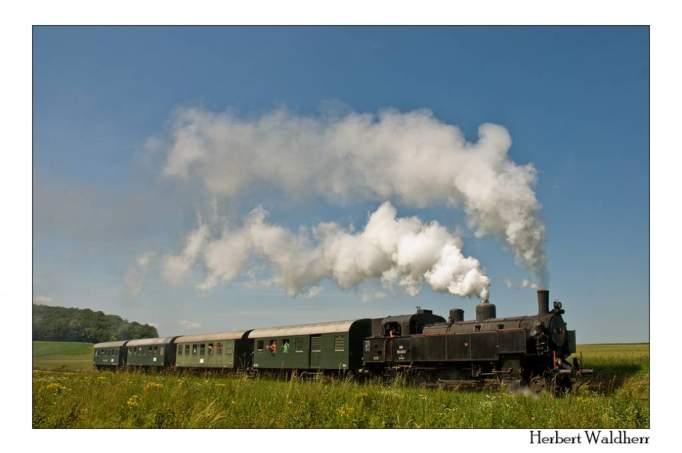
(485, 310)
(543, 301)
(456, 315)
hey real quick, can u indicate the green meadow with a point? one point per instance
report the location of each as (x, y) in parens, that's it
(67, 393)
(62, 355)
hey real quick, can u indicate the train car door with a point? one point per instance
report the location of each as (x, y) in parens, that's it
(315, 351)
(389, 347)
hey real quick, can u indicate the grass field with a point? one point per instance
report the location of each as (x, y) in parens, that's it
(61, 355)
(617, 397)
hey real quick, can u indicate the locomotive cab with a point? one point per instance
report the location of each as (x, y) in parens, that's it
(391, 335)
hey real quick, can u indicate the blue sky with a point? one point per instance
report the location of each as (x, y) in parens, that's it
(574, 99)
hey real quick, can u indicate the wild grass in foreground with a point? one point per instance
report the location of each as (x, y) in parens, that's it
(618, 397)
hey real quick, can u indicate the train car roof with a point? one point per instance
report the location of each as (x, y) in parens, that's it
(304, 329)
(233, 335)
(110, 344)
(150, 341)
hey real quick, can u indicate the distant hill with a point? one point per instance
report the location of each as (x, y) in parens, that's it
(84, 325)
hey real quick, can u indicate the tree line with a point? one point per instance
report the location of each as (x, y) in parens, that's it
(82, 324)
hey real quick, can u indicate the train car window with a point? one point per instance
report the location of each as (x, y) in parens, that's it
(194, 349)
(180, 350)
(315, 343)
(210, 349)
(285, 345)
(298, 344)
(273, 346)
(186, 349)
(218, 349)
(260, 345)
(339, 343)
(229, 347)
(202, 349)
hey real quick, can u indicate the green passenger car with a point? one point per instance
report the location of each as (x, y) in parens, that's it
(151, 352)
(227, 350)
(111, 354)
(322, 346)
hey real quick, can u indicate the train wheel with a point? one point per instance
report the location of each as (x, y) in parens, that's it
(538, 384)
(562, 385)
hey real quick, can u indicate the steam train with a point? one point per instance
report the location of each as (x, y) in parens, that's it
(531, 350)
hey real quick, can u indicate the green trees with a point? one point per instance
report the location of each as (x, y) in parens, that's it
(76, 324)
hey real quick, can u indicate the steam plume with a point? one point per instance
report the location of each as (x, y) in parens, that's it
(411, 156)
(402, 251)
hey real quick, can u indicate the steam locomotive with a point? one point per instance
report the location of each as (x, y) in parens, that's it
(530, 350)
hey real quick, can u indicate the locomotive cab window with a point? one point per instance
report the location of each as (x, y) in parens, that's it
(392, 329)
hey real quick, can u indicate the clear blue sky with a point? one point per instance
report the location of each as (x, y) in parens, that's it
(575, 100)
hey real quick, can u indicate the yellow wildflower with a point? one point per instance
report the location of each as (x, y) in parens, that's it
(133, 401)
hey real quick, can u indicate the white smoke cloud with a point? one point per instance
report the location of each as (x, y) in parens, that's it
(189, 325)
(136, 273)
(313, 292)
(367, 296)
(525, 283)
(528, 284)
(409, 156)
(400, 251)
(174, 268)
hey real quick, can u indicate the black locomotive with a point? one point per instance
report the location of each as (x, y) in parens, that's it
(531, 350)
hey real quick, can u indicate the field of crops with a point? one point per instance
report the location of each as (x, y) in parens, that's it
(618, 397)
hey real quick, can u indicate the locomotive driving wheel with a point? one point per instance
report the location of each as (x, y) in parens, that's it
(538, 384)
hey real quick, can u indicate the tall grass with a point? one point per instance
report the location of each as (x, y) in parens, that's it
(618, 397)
